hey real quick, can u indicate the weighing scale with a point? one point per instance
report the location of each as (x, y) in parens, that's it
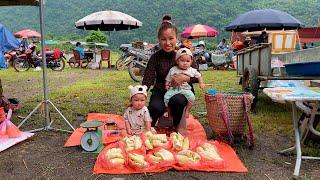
(91, 140)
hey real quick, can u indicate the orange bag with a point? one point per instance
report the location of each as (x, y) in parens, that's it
(142, 149)
(167, 145)
(204, 164)
(207, 164)
(105, 162)
(8, 129)
(161, 166)
(102, 165)
(138, 168)
(186, 166)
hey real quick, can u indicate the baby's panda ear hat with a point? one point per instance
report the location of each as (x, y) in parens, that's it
(138, 89)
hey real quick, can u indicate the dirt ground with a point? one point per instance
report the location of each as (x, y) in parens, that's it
(44, 157)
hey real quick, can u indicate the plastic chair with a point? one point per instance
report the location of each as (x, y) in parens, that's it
(105, 56)
(77, 60)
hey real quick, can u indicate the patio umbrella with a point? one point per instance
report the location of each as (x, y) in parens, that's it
(108, 21)
(199, 30)
(27, 33)
(269, 19)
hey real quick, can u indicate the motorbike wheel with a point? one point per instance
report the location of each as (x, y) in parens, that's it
(135, 72)
(123, 62)
(20, 65)
(62, 64)
(226, 66)
(72, 63)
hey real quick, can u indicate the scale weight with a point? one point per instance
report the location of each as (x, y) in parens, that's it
(91, 140)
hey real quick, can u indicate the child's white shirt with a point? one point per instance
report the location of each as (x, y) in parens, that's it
(191, 72)
(137, 118)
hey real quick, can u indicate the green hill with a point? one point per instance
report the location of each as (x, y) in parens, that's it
(60, 15)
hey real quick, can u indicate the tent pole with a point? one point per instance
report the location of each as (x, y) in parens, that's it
(44, 66)
(297, 34)
(46, 101)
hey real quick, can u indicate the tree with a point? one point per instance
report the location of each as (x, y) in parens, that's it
(96, 36)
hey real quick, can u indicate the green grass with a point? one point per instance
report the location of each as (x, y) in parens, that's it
(109, 94)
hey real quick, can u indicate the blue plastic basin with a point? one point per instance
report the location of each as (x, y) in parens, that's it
(303, 69)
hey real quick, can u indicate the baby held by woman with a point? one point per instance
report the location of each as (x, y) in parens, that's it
(184, 61)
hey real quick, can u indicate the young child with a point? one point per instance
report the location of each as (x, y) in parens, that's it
(137, 117)
(183, 61)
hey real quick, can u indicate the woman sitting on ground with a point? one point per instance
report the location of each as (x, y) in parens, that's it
(156, 72)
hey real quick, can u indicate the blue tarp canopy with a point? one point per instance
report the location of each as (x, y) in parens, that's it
(7, 42)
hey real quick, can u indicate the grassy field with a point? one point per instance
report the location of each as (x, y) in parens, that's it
(108, 94)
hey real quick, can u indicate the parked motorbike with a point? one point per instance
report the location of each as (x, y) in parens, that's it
(26, 61)
(125, 58)
(138, 64)
(217, 59)
(11, 55)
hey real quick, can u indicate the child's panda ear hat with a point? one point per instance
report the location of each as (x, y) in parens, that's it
(138, 89)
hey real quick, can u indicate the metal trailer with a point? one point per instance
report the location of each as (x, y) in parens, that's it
(254, 66)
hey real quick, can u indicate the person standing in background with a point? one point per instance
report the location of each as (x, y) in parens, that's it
(23, 44)
(80, 49)
(223, 44)
(263, 38)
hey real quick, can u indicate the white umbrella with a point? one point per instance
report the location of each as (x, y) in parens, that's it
(108, 21)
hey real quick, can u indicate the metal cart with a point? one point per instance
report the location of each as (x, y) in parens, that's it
(254, 66)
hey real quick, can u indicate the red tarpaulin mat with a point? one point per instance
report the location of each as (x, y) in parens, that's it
(195, 133)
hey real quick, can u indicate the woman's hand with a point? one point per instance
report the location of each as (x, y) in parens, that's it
(178, 79)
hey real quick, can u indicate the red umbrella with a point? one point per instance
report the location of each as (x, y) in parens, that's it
(199, 30)
(29, 33)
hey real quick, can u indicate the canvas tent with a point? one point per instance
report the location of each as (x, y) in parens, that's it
(7, 42)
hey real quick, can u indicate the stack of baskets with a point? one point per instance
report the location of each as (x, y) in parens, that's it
(228, 113)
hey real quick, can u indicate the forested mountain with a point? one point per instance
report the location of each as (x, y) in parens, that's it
(60, 15)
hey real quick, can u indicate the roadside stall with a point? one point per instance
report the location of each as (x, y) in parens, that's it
(91, 52)
(266, 64)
